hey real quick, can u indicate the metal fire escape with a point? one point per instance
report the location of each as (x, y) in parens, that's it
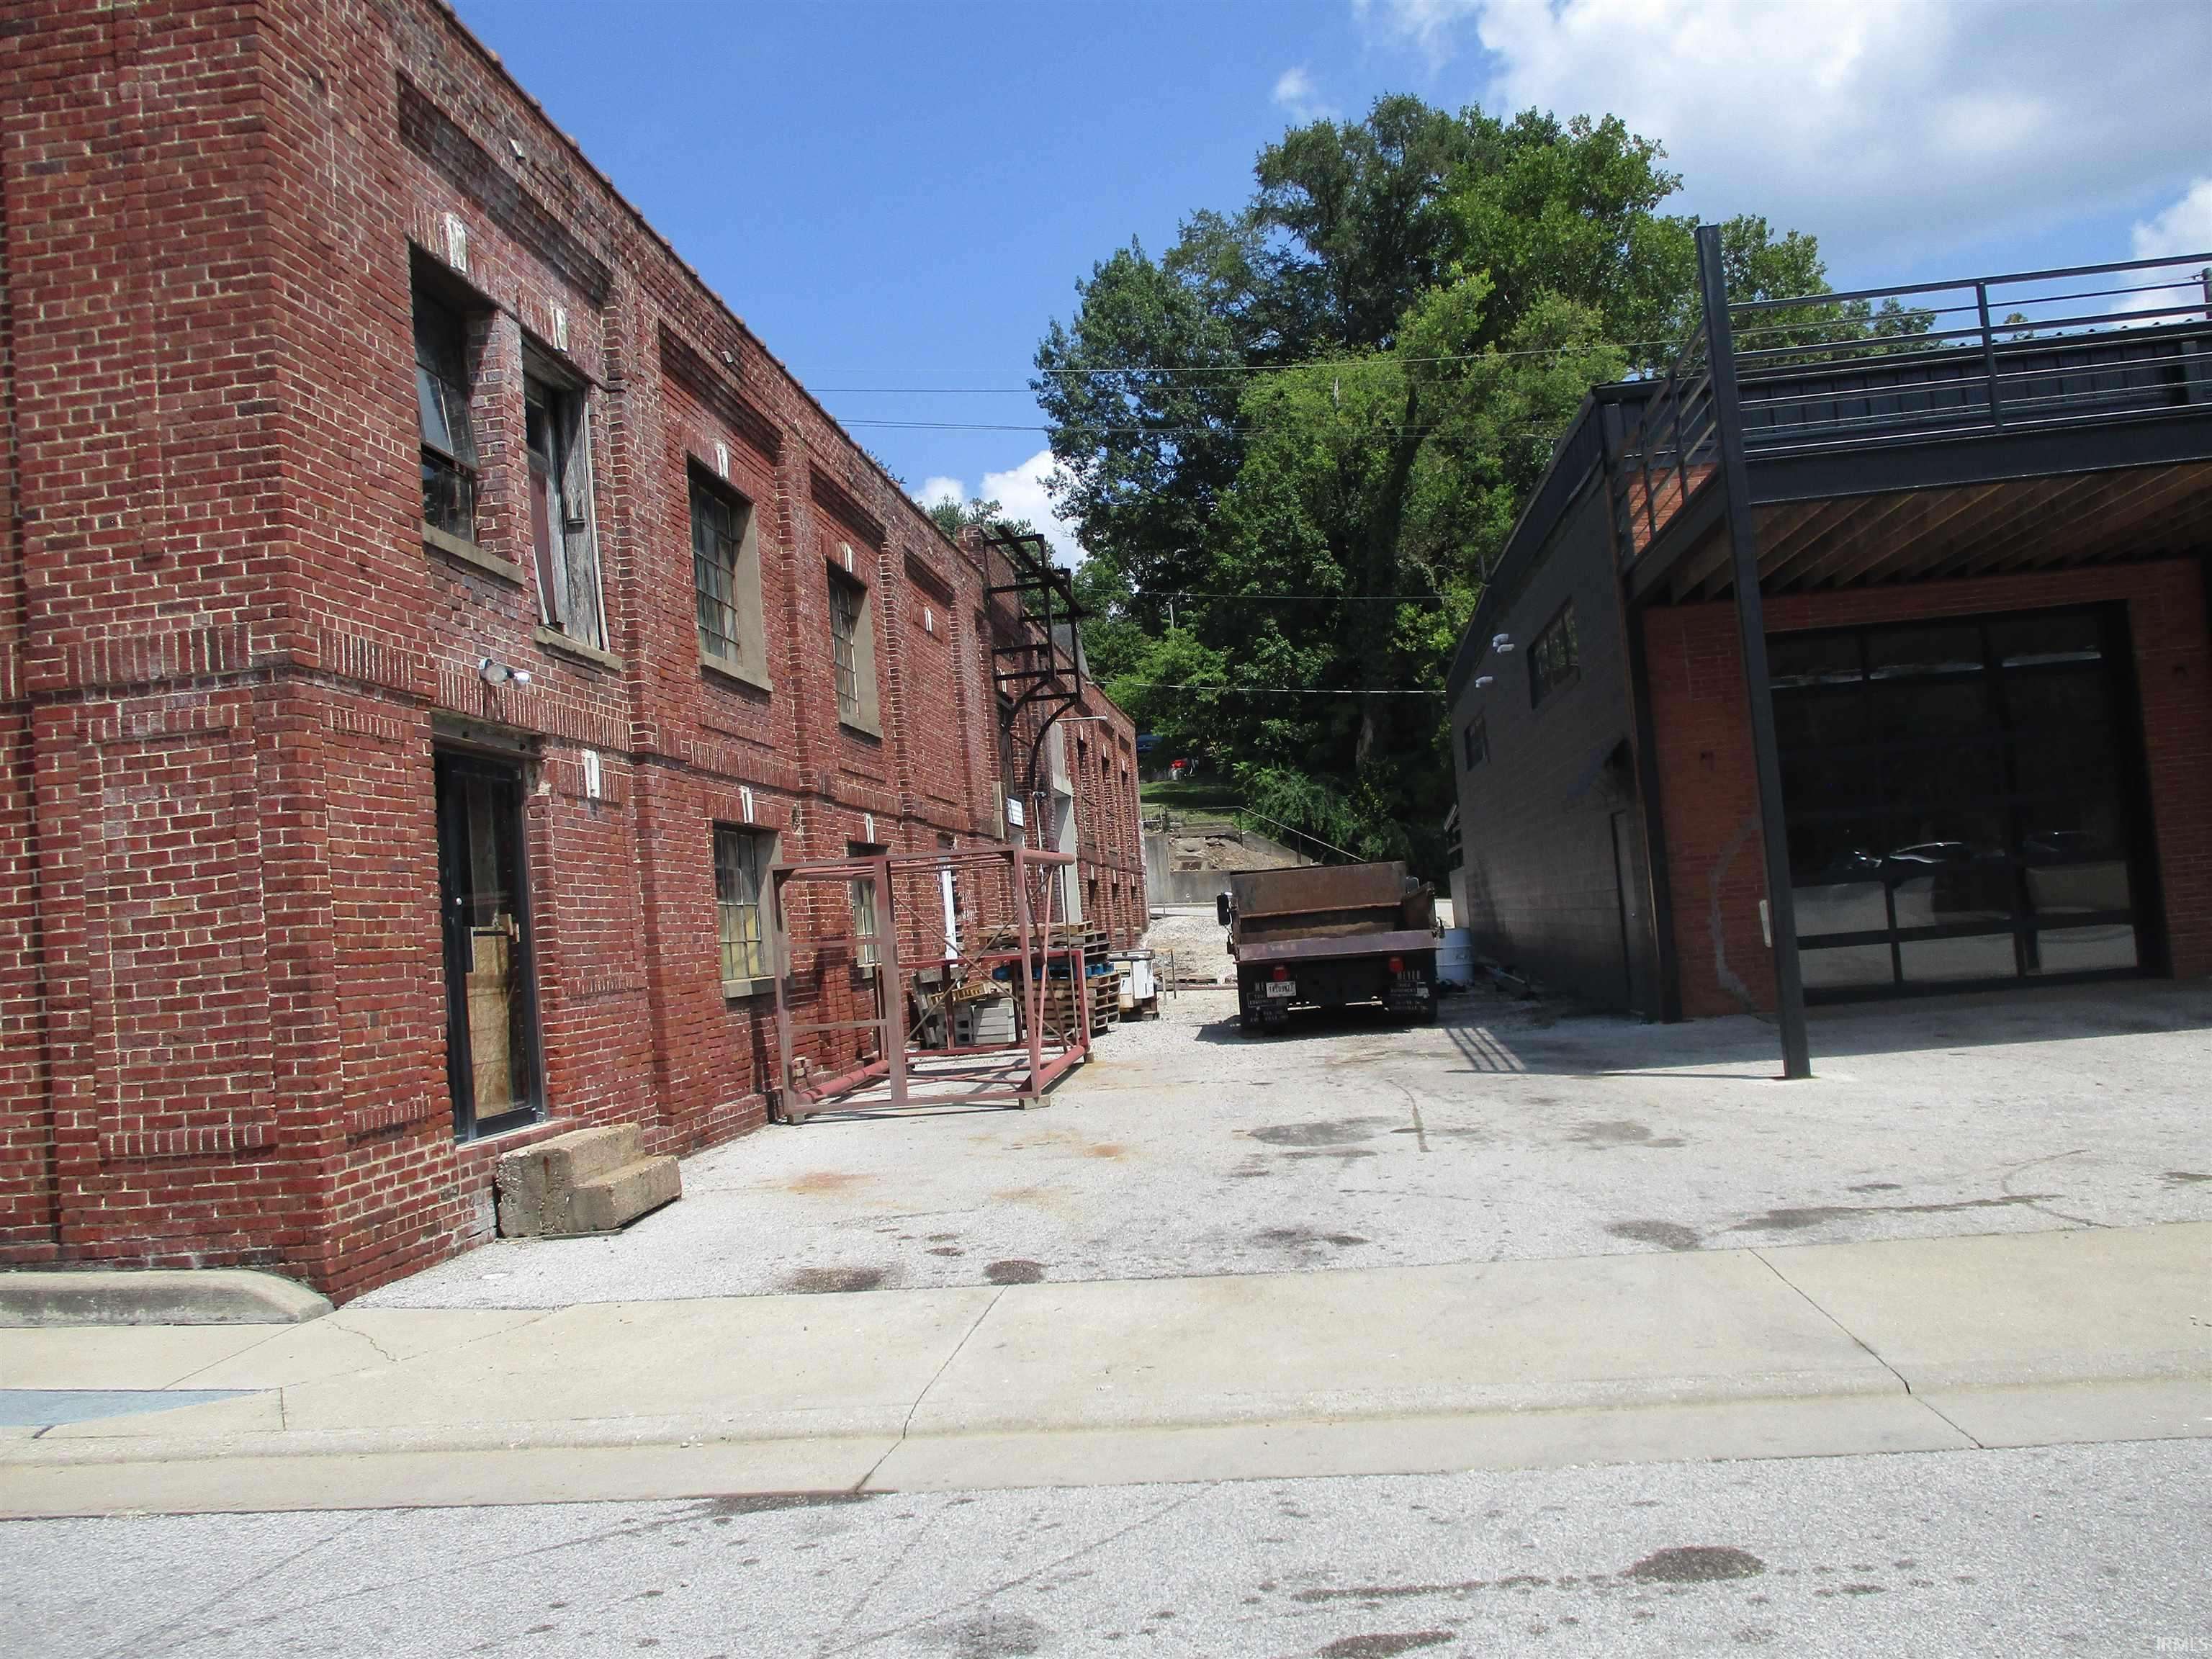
(1042, 671)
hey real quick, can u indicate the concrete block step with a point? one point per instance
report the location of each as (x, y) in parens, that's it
(619, 1197)
(583, 1154)
(534, 1183)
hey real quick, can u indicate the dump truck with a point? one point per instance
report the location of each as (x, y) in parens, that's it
(1324, 936)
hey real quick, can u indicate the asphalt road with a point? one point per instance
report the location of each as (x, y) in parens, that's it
(2090, 1550)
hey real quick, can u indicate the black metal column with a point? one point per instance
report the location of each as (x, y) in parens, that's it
(1751, 625)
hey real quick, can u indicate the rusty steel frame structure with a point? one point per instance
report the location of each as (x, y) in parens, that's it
(1018, 1073)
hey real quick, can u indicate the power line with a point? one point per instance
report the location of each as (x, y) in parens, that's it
(1159, 430)
(1273, 690)
(1630, 346)
(1339, 599)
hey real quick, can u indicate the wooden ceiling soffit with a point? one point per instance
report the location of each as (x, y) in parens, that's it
(1788, 534)
(691, 371)
(2058, 524)
(1886, 516)
(2030, 519)
(1926, 520)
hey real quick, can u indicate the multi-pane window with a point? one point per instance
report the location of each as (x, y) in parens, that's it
(561, 534)
(868, 944)
(741, 861)
(846, 599)
(1553, 658)
(1476, 742)
(717, 531)
(441, 401)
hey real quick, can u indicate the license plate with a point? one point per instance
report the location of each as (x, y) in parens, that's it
(1281, 988)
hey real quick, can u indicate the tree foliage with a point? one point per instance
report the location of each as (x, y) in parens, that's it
(1294, 443)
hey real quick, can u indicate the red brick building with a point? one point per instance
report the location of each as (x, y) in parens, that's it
(1985, 562)
(427, 610)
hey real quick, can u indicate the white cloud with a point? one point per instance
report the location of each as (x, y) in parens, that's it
(1022, 491)
(2185, 228)
(1891, 129)
(1295, 91)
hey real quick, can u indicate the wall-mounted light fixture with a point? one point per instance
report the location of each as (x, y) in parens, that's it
(492, 672)
(1483, 682)
(1501, 642)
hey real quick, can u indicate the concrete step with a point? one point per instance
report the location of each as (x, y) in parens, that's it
(534, 1183)
(619, 1197)
(584, 1155)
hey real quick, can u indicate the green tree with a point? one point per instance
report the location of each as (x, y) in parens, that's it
(1303, 433)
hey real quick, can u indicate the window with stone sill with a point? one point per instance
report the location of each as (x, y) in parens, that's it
(717, 531)
(846, 600)
(741, 861)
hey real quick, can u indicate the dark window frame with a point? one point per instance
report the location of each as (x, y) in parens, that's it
(1474, 740)
(718, 615)
(848, 613)
(444, 389)
(1554, 656)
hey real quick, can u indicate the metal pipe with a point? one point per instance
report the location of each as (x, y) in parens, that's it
(1751, 627)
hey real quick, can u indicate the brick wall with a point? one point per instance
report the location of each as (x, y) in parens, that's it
(1710, 797)
(229, 652)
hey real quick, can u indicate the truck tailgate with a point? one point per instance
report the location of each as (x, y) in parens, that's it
(1346, 944)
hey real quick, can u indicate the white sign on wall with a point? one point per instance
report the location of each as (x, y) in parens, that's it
(1014, 813)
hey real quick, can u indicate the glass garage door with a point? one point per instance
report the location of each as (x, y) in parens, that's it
(1961, 805)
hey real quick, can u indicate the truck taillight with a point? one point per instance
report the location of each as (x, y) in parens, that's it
(1280, 973)
(1397, 964)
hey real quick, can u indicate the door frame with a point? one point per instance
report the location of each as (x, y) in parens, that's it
(460, 1079)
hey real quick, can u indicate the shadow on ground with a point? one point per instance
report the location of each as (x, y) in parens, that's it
(1497, 1034)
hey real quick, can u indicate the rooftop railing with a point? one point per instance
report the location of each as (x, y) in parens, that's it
(1882, 367)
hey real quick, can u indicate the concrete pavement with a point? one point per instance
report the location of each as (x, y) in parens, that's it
(1510, 1131)
(1901, 1345)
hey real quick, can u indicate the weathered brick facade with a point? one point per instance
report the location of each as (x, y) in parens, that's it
(232, 649)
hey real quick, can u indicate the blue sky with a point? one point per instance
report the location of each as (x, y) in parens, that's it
(902, 195)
